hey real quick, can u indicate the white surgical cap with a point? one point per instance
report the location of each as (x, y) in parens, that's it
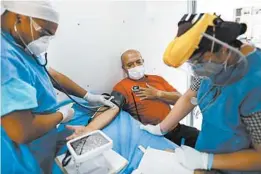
(37, 9)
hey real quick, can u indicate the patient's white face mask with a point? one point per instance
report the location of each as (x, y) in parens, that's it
(137, 72)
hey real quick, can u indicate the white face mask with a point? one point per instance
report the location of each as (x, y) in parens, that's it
(39, 46)
(137, 72)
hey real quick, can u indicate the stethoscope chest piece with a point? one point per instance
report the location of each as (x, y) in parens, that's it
(194, 101)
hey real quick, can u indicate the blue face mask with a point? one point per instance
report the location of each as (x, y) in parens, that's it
(207, 69)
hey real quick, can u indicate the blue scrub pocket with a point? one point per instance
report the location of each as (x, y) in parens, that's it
(226, 142)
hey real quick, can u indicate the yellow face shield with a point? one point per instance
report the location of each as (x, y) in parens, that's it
(181, 48)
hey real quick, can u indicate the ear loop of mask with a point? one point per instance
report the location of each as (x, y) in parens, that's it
(232, 67)
(213, 43)
(20, 37)
(31, 27)
(226, 61)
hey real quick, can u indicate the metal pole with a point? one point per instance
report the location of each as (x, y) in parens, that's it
(191, 8)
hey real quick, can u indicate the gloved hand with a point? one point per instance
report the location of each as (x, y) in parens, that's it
(193, 159)
(67, 112)
(155, 130)
(101, 99)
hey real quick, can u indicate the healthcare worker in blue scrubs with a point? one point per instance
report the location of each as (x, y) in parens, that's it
(227, 88)
(28, 117)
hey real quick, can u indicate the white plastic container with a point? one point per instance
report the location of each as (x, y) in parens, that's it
(89, 146)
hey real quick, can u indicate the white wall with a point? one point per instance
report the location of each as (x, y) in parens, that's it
(225, 8)
(93, 34)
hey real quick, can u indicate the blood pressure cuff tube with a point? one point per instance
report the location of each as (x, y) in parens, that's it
(118, 99)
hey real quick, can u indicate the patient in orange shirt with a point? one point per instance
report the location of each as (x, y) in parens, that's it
(152, 107)
(148, 97)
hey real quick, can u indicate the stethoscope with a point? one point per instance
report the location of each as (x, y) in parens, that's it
(43, 65)
(135, 104)
(133, 90)
(195, 101)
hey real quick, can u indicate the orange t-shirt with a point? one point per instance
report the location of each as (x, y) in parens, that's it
(150, 111)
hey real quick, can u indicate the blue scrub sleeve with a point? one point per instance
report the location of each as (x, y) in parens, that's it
(17, 95)
(252, 102)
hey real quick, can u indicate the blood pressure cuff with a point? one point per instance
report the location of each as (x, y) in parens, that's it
(118, 99)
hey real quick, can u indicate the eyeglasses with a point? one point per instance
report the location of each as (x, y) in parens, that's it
(138, 62)
(37, 27)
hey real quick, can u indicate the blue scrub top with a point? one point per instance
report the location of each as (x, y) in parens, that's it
(26, 85)
(222, 128)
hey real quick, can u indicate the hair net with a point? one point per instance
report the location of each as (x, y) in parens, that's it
(37, 9)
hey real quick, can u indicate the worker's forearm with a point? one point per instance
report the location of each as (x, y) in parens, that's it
(41, 124)
(182, 107)
(169, 97)
(246, 160)
(103, 119)
(69, 85)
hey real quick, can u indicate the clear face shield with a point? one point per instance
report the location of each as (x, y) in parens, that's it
(223, 64)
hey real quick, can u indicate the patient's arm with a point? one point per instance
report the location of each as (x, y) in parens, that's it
(179, 111)
(100, 119)
(169, 97)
